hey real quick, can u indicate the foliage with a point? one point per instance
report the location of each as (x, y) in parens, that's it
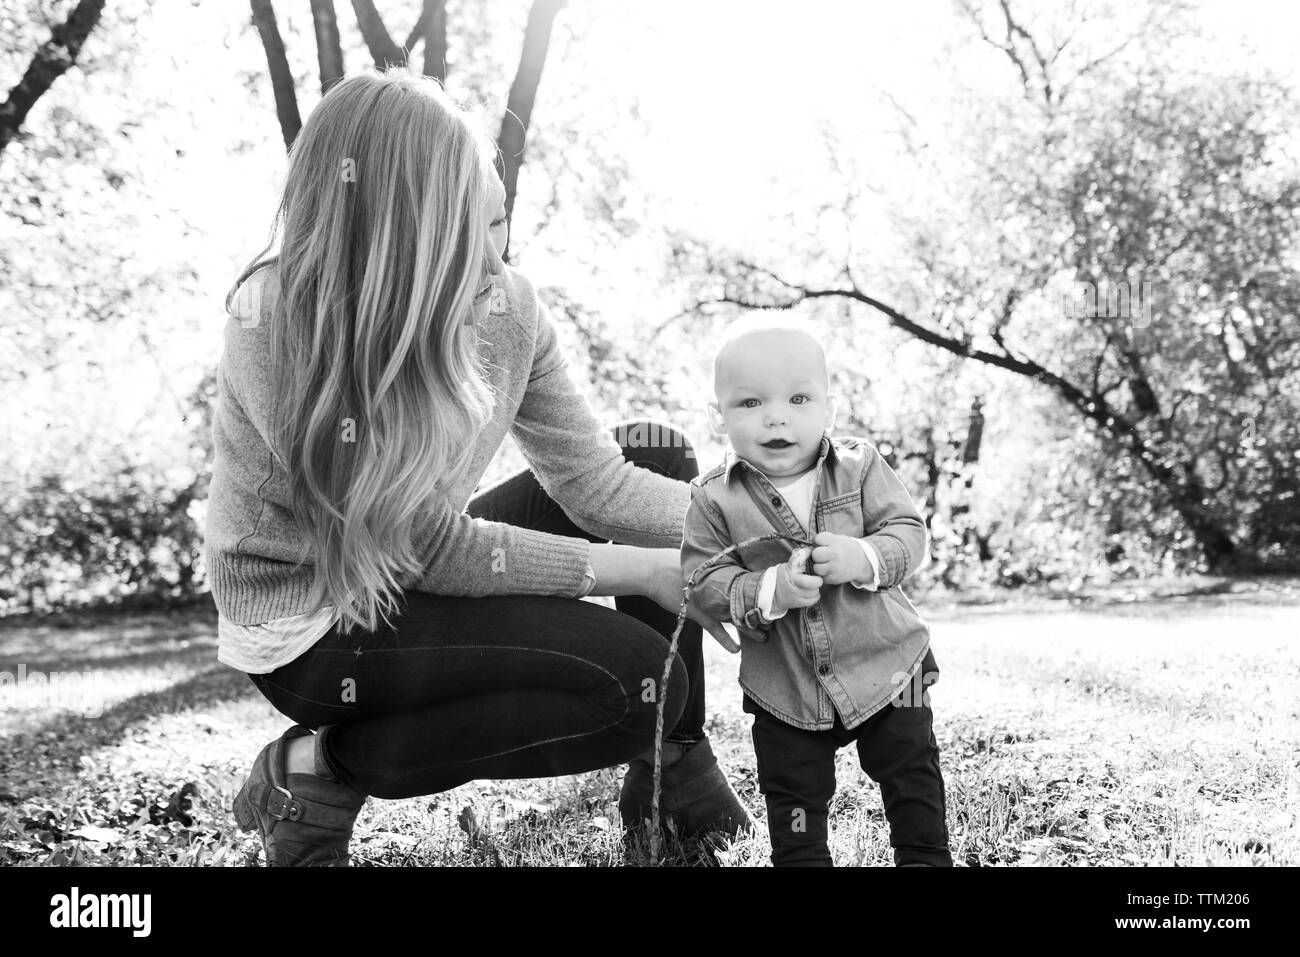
(1181, 410)
(131, 533)
(117, 241)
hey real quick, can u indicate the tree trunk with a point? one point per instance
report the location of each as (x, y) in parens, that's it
(433, 26)
(381, 45)
(1216, 543)
(523, 94)
(54, 58)
(329, 51)
(286, 100)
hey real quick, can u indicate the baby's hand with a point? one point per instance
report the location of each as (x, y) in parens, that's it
(839, 558)
(794, 588)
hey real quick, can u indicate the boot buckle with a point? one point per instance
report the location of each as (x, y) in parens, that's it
(281, 805)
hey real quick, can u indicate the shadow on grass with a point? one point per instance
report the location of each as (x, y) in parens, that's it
(40, 760)
(115, 641)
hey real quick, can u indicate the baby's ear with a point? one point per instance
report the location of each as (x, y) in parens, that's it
(832, 409)
(716, 422)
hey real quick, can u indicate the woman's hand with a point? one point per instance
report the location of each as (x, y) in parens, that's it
(664, 585)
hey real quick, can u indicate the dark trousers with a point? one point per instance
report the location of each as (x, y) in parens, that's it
(896, 747)
(513, 686)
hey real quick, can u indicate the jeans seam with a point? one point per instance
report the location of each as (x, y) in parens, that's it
(623, 693)
(322, 704)
(514, 750)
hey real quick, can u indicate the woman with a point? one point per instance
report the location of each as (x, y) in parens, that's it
(371, 370)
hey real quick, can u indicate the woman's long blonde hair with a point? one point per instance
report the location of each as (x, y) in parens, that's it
(382, 238)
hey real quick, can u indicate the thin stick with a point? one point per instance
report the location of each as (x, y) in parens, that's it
(668, 667)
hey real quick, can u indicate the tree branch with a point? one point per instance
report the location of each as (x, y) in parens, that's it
(53, 58)
(417, 31)
(1007, 48)
(378, 42)
(1015, 29)
(1093, 407)
(329, 52)
(433, 28)
(523, 94)
(286, 99)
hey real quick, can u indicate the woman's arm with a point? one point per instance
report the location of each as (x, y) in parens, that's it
(620, 569)
(575, 457)
(654, 573)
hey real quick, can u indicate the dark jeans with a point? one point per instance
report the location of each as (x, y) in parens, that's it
(514, 686)
(896, 747)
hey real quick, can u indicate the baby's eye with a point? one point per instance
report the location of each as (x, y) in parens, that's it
(745, 403)
(799, 399)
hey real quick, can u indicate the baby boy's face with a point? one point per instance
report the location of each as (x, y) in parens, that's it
(771, 392)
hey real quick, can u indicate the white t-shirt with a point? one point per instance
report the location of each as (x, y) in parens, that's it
(799, 496)
(255, 649)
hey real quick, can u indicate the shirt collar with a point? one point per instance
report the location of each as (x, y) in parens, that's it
(826, 451)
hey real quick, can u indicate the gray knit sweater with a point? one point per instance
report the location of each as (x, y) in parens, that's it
(252, 544)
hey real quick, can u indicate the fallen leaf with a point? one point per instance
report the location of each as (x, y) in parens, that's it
(100, 835)
(468, 820)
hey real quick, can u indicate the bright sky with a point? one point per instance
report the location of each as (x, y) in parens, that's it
(739, 92)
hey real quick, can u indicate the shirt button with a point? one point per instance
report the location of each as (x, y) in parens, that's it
(824, 670)
(776, 500)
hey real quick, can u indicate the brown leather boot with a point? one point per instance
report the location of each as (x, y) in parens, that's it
(305, 820)
(695, 794)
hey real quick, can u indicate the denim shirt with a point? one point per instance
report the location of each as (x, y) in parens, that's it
(853, 650)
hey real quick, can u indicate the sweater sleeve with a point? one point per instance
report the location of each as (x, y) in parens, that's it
(467, 556)
(579, 464)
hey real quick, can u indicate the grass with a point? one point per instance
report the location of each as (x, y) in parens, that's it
(1146, 732)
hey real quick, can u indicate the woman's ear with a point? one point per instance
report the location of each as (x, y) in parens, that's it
(716, 422)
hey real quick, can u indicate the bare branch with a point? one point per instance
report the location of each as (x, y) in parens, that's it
(523, 94)
(378, 42)
(53, 59)
(433, 21)
(1006, 48)
(1017, 33)
(286, 99)
(1015, 29)
(329, 52)
(417, 31)
(1092, 407)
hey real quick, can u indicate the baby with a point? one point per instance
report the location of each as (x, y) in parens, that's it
(832, 651)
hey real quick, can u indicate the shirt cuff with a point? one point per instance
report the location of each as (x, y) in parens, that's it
(874, 559)
(588, 582)
(766, 592)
